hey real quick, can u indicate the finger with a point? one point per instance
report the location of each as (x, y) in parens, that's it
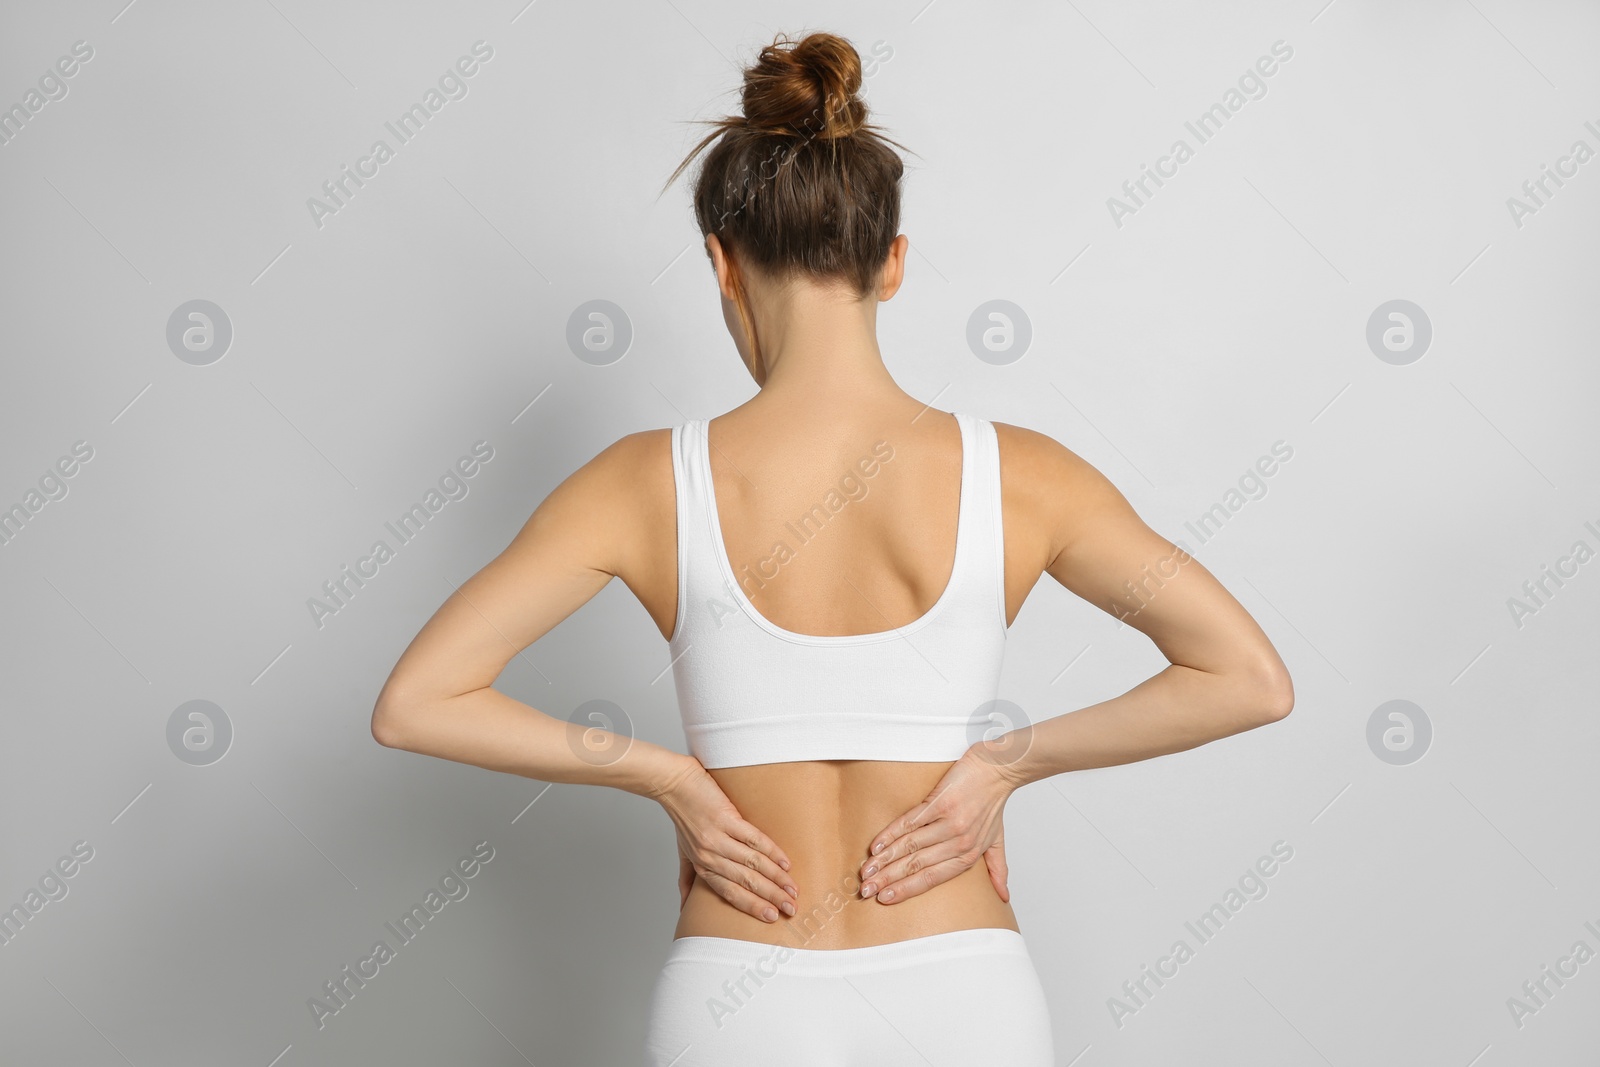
(740, 897)
(924, 835)
(749, 834)
(920, 815)
(747, 854)
(921, 882)
(936, 853)
(752, 880)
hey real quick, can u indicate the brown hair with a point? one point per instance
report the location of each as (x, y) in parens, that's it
(801, 183)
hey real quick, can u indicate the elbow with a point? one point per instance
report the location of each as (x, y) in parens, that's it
(388, 727)
(1274, 697)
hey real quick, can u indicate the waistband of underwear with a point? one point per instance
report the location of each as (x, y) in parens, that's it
(832, 962)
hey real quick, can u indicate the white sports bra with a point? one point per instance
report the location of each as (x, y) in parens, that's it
(750, 691)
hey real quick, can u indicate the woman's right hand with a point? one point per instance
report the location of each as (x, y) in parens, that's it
(741, 864)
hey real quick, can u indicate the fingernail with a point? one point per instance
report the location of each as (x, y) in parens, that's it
(769, 915)
(784, 864)
(868, 889)
(877, 848)
(791, 890)
(888, 894)
(788, 908)
(871, 867)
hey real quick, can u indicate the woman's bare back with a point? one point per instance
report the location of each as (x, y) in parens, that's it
(823, 813)
(882, 561)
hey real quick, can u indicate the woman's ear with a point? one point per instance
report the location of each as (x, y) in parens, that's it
(721, 265)
(894, 267)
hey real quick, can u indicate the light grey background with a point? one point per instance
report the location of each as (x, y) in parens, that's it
(1227, 313)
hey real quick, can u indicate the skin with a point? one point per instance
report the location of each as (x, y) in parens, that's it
(778, 853)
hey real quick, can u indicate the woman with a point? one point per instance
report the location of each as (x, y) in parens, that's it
(834, 565)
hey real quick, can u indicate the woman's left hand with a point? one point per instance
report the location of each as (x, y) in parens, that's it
(943, 835)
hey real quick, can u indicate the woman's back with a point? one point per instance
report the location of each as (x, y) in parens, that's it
(823, 813)
(834, 567)
(888, 560)
(835, 522)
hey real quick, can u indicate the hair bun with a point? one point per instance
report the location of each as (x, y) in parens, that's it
(806, 88)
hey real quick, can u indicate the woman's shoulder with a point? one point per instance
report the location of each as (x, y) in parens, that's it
(1032, 458)
(636, 468)
(1050, 488)
(621, 496)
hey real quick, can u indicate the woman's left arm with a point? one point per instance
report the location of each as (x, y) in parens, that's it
(1223, 675)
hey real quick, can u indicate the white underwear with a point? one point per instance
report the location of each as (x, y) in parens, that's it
(959, 998)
